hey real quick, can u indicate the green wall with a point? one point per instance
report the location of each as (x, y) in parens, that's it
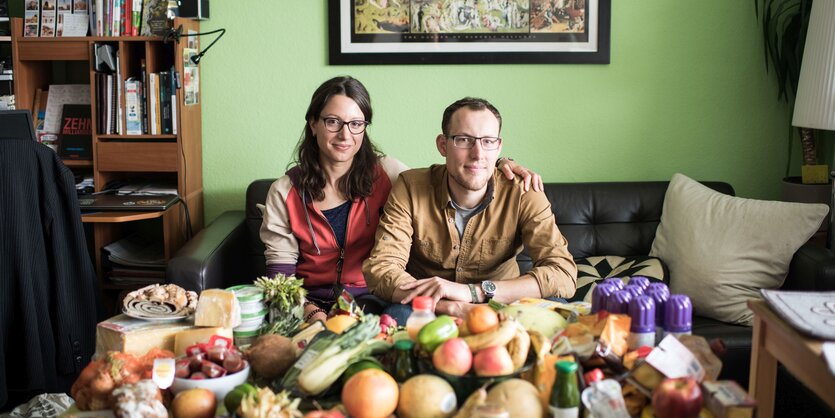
(686, 91)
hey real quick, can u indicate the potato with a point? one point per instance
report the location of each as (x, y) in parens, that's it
(518, 397)
(271, 355)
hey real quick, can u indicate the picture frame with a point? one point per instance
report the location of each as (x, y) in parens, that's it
(372, 32)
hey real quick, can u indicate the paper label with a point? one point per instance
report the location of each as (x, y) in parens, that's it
(163, 372)
(673, 359)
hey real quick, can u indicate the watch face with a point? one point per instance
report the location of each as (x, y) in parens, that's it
(488, 287)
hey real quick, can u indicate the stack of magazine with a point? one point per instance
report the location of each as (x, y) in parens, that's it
(135, 260)
(810, 312)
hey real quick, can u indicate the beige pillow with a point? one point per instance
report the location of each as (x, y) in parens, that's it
(721, 250)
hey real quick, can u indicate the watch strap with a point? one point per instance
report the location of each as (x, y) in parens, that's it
(473, 292)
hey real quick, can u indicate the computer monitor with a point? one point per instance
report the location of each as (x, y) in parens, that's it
(16, 124)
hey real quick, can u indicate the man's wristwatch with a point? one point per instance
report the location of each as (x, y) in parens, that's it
(489, 289)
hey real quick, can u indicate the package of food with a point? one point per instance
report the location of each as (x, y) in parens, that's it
(726, 399)
(700, 348)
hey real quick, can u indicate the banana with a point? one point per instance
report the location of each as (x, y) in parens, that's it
(500, 336)
(540, 344)
(475, 399)
(518, 346)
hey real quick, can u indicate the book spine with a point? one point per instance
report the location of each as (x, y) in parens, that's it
(153, 110)
(144, 80)
(165, 101)
(136, 16)
(173, 90)
(133, 107)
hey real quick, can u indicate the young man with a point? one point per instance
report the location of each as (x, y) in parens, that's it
(453, 231)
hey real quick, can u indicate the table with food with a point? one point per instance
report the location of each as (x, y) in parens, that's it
(247, 352)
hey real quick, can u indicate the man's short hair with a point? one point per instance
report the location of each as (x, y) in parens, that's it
(472, 103)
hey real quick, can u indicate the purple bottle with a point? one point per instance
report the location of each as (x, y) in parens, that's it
(618, 302)
(642, 330)
(640, 281)
(660, 294)
(678, 315)
(616, 281)
(635, 289)
(600, 295)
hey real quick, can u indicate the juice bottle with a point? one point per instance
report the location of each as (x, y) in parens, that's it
(422, 313)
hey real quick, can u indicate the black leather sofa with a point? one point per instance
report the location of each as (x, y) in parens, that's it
(606, 218)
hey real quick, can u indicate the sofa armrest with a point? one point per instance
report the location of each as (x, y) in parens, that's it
(212, 259)
(812, 268)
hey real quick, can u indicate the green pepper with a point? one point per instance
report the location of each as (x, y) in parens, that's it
(436, 332)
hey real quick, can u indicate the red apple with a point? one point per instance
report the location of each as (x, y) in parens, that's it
(493, 361)
(677, 398)
(333, 413)
(453, 357)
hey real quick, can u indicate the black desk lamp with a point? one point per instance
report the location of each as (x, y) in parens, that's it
(176, 34)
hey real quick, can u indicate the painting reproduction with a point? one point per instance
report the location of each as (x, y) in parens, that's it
(469, 31)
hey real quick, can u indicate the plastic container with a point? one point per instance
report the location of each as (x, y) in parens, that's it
(618, 302)
(600, 295)
(422, 314)
(603, 397)
(616, 281)
(635, 289)
(642, 328)
(660, 293)
(640, 281)
(250, 297)
(678, 315)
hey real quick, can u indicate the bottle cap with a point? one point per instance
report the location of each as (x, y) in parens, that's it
(599, 296)
(642, 312)
(566, 367)
(658, 286)
(422, 303)
(639, 280)
(618, 302)
(635, 289)
(660, 296)
(404, 345)
(678, 314)
(617, 281)
(595, 375)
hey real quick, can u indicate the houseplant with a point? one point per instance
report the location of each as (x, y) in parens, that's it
(784, 26)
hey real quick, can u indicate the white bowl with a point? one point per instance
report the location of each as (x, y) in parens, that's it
(219, 385)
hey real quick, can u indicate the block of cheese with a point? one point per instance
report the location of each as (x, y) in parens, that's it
(726, 399)
(136, 336)
(188, 338)
(217, 308)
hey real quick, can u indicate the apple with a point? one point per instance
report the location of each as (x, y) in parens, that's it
(493, 361)
(333, 413)
(677, 398)
(453, 357)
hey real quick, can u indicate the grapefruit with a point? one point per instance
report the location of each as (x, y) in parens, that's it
(370, 393)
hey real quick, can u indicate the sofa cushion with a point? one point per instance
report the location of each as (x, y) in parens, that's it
(722, 250)
(592, 270)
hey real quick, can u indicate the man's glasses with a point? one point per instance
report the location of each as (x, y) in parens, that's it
(335, 125)
(488, 143)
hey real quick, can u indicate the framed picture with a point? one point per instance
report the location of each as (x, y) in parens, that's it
(469, 31)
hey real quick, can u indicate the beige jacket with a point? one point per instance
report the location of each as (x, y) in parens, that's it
(417, 238)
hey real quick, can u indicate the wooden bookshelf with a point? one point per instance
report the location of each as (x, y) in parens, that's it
(176, 159)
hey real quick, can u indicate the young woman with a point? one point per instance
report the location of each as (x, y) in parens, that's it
(321, 216)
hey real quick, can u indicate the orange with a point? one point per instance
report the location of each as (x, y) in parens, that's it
(370, 393)
(482, 318)
(340, 323)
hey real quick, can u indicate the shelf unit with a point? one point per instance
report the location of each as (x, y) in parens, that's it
(177, 159)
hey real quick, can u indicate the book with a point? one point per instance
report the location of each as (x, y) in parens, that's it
(165, 102)
(133, 106)
(144, 81)
(59, 95)
(75, 140)
(153, 104)
(173, 86)
(154, 18)
(136, 17)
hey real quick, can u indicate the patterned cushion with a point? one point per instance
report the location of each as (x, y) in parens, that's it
(592, 270)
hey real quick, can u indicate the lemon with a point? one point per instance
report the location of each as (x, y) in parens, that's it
(339, 323)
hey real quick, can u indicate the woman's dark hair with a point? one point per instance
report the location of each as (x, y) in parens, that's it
(359, 180)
